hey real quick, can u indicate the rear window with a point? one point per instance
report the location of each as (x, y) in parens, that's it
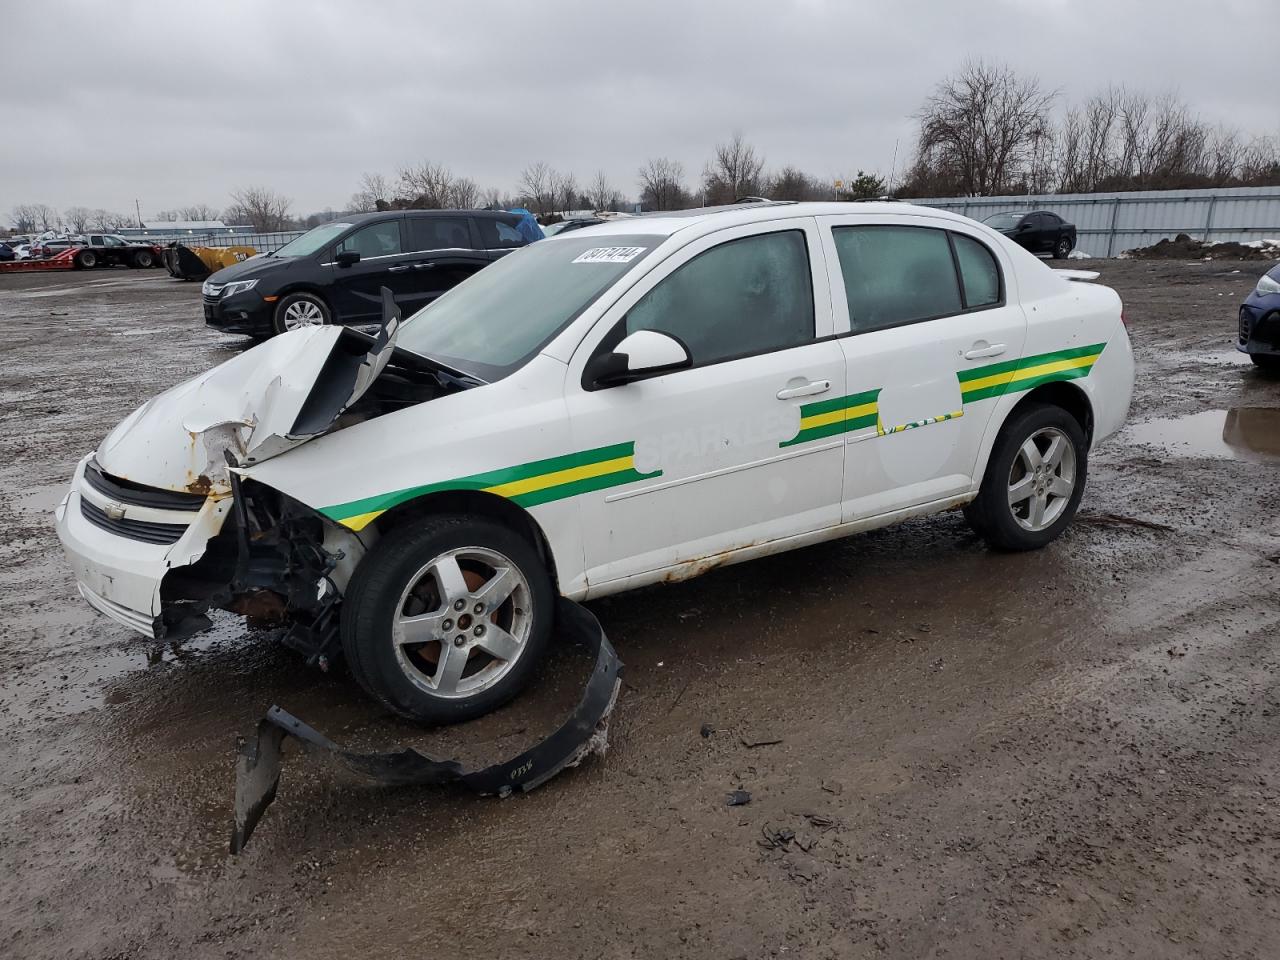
(438, 233)
(497, 233)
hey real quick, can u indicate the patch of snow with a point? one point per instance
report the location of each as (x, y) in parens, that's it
(1079, 255)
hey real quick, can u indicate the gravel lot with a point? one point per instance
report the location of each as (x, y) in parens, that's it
(1065, 754)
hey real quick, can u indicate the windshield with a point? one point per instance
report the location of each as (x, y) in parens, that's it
(494, 322)
(313, 240)
(1003, 221)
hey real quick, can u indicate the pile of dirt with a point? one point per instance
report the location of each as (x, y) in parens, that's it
(1183, 247)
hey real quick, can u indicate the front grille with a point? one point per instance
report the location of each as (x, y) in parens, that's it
(1244, 328)
(135, 494)
(143, 530)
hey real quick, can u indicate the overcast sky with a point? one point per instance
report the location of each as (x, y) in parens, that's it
(180, 103)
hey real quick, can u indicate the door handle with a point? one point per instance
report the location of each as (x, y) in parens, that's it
(424, 266)
(983, 349)
(805, 389)
(401, 268)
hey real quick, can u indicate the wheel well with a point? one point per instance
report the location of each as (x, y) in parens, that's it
(304, 288)
(1066, 395)
(473, 503)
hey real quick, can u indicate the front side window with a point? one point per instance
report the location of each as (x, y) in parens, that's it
(112, 242)
(978, 272)
(744, 297)
(438, 233)
(495, 321)
(896, 275)
(376, 240)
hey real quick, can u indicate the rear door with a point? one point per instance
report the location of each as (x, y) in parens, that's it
(499, 235)
(923, 304)
(356, 291)
(443, 254)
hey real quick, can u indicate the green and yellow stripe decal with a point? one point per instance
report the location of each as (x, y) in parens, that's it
(1015, 376)
(528, 484)
(827, 418)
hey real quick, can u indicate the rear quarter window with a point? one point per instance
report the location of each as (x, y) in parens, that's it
(498, 233)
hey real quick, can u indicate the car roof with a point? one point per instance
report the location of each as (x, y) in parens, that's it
(705, 219)
(362, 217)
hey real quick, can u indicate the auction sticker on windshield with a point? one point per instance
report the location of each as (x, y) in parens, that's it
(609, 255)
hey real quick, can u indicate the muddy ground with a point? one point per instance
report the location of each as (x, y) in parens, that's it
(1065, 754)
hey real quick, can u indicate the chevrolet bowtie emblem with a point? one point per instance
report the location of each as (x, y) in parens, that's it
(113, 510)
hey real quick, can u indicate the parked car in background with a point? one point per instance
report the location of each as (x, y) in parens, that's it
(631, 403)
(7, 252)
(1259, 334)
(45, 247)
(566, 226)
(1038, 231)
(334, 273)
(109, 250)
(22, 251)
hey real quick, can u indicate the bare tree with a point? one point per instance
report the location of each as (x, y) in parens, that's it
(267, 210)
(106, 220)
(564, 191)
(662, 184)
(983, 130)
(200, 211)
(26, 217)
(464, 194)
(601, 193)
(373, 187)
(77, 218)
(428, 186)
(538, 188)
(494, 199)
(46, 217)
(792, 183)
(735, 171)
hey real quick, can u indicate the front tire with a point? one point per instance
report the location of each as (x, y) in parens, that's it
(1062, 249)
(446, 619)
(1034, 480)
(299, 310)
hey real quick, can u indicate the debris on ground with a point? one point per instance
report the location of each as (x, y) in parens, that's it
(737, 798)
(583, 734)
(1116, 520)
(759, 740)
(1184, 247)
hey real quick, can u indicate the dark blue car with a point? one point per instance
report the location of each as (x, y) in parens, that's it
(1260, 322)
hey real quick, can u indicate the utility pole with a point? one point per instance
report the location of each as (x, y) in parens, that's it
(138, 210)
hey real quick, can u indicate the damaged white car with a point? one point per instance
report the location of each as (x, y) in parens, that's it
(633, 402)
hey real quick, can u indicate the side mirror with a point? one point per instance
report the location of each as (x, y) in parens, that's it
(641, 354)
(347, 258)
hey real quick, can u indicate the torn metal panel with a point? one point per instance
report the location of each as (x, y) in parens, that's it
(583, 733)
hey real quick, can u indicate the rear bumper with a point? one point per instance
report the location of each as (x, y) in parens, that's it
(119, 576)
(245, 313)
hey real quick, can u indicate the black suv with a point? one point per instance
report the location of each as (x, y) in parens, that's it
(335, 272)
(1039, 231)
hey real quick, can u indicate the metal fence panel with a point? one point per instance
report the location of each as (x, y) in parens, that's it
(1110, 223)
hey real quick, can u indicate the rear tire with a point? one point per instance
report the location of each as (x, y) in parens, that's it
(1267, 363)
(1062, 249)
(422, 632)
(1034, 480)
(86, 259)
(299, 310)
(142, 259)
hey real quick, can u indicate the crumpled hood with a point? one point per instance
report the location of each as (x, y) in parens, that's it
(267, 400)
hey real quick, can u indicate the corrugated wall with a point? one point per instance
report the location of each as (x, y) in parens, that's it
(1108, 223)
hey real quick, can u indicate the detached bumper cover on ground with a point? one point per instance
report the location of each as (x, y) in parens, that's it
(583, 733)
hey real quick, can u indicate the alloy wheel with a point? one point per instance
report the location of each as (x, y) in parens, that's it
(303, 313)
(462, 622)
(1042, 479)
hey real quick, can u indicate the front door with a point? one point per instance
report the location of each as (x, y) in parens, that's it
(925, 306)
(731, 451)
(357, 289)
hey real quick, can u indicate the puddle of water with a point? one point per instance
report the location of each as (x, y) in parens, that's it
(1242, 433)
(42, 499)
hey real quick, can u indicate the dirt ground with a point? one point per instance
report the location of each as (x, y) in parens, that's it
(1065, 754)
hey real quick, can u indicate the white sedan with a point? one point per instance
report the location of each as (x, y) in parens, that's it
(634, 402)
